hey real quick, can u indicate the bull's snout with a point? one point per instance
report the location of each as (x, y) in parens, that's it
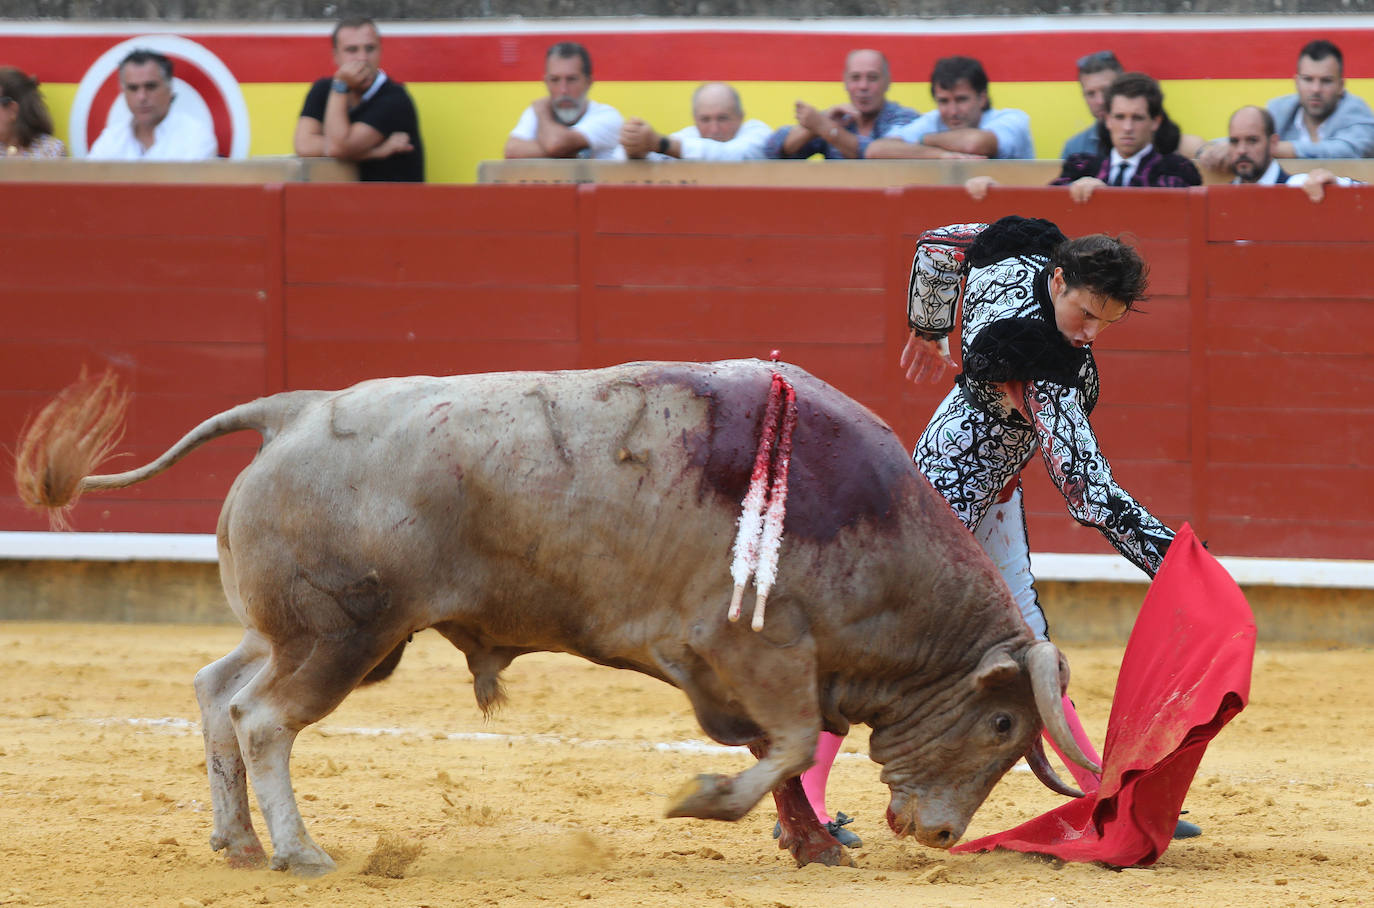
(906, 821)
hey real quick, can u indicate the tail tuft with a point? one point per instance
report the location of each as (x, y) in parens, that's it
(66, 441)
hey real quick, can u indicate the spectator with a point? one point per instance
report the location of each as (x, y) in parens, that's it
(1096, 72)
(566, 124)
(155, 131)
(845, 130)
(25, 124)
(1143, 144)
(1142, 140)
(1320, 120)
(964, 122)
(720, 132)
(1252, 141)
(360, 114)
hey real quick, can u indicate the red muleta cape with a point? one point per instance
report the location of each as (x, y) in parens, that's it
(1184, 675)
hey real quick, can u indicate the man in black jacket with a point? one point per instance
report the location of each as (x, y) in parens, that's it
(1144, 142)
(1142, 146)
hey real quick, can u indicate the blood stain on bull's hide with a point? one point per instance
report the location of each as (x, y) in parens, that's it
(846, 465)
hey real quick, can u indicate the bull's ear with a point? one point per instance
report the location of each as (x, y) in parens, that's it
(996, 670)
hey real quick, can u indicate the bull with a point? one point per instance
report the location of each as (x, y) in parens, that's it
(592, 513)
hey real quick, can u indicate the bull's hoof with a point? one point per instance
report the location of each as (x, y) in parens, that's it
(834, 855)
(304, 865)
(707, 797)
(815, 845)
(246, 858)
(247, 855)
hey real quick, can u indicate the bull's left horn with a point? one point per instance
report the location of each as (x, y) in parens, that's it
(1042, 660)
(1040, 765)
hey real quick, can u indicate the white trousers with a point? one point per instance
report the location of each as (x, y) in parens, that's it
(1002, 534)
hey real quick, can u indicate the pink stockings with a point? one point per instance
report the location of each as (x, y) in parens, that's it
(814, 779)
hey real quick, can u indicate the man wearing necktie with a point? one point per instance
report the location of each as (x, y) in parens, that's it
(1141, 144)
(1143, 141)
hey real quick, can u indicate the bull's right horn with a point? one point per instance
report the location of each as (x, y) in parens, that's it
(1042, 660)
(1040, 765)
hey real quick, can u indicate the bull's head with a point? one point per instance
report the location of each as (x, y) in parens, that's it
(941, 768)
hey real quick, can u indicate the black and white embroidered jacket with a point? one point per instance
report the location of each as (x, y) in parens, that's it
(978, 440)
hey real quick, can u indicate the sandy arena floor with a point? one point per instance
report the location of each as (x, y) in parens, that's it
(104, 801)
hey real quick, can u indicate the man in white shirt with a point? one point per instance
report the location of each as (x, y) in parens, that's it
(156, 131)
(566, 124)
(719, 131)
(1252, 144)
(964, 122)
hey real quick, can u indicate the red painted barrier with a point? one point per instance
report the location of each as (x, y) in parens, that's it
(1239, 399)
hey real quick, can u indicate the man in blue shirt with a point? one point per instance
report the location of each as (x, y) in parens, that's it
(845, 130)
(964, 123)
(1320, 120)
(1095, 74)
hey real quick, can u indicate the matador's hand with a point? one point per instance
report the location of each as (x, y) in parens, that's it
(925, 360)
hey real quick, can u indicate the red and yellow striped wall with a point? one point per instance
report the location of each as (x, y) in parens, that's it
(472, 79)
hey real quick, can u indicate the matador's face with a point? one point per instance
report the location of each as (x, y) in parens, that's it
(1079, 314)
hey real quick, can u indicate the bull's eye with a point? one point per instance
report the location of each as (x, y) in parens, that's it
(1002, 723)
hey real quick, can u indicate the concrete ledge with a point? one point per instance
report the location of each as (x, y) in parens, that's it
(109, 546)
(1283, 572)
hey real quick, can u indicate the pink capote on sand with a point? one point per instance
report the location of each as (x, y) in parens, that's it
(1185, 674)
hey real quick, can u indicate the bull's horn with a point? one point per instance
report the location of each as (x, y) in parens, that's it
(1042, 659)
(1039, 765)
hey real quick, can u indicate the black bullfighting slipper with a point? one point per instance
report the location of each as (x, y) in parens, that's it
(836, 829)
(1186, 830)
(846, 838)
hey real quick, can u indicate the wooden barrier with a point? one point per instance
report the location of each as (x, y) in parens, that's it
(285, 169)
(844, 174)
(1238, 400)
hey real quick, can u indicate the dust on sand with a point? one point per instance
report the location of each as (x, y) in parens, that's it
(560, 799)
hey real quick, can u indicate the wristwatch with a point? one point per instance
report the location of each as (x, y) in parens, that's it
(339, 85)
(663, 145)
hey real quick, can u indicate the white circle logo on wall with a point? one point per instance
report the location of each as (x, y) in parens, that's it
(204, 88)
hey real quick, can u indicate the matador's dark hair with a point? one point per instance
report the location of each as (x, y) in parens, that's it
(1104, 265)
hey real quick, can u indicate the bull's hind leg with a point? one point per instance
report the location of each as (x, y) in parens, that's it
(776, 686)
(216, 683)
(300, 684)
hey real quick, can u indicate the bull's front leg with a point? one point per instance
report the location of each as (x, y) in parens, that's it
(775, 681)
(721, 797)
(215, 684)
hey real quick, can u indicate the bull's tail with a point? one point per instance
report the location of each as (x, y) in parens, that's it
(80, 428)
